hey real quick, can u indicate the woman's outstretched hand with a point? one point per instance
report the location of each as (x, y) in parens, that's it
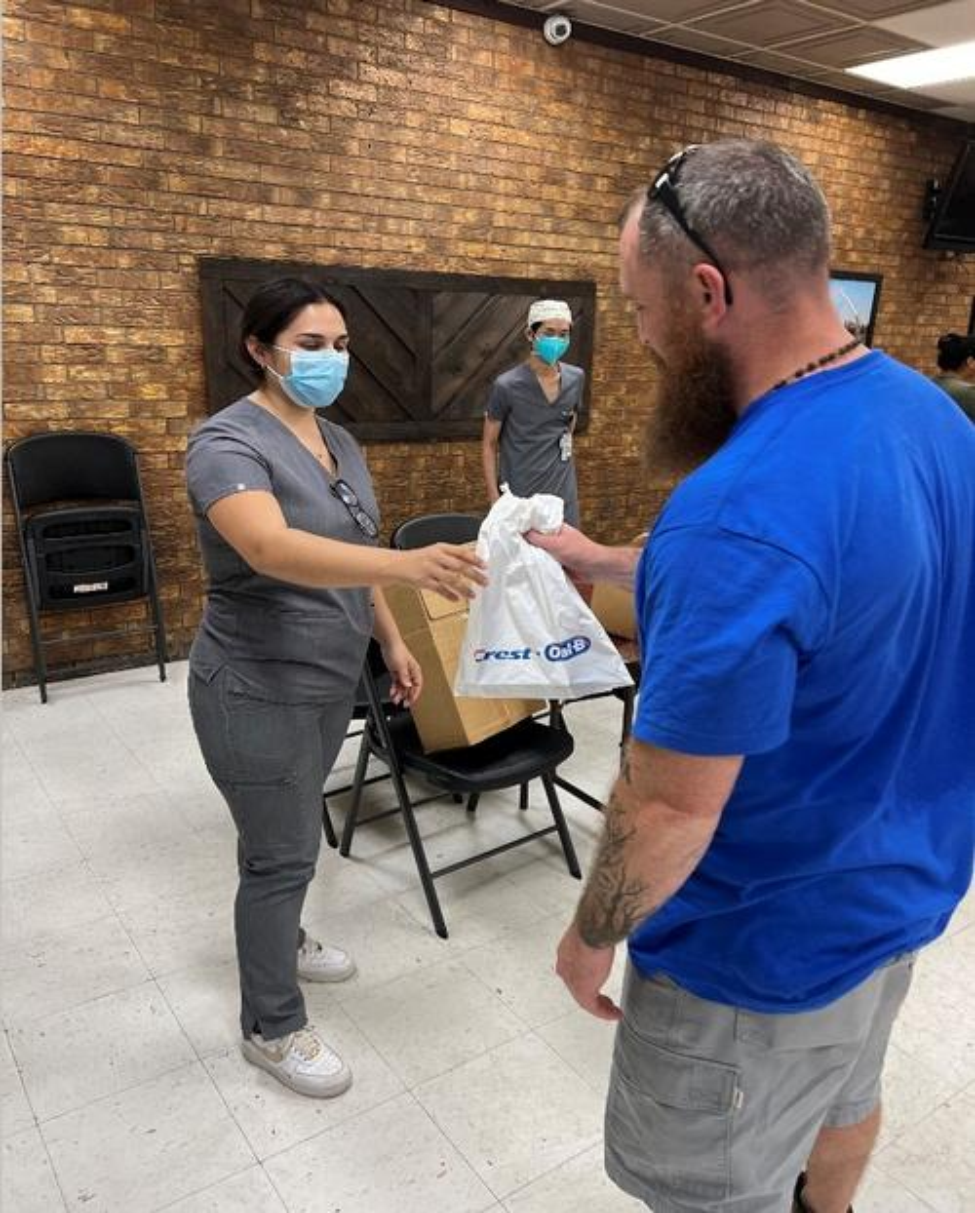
(450, 569)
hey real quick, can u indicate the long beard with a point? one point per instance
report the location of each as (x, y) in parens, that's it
(693, 412)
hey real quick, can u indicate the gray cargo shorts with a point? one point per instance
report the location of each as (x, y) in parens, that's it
(712, 1109)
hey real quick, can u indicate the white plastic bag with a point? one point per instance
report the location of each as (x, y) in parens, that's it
(529, 633)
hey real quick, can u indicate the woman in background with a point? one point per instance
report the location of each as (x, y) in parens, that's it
(956, 370)
(289, 527)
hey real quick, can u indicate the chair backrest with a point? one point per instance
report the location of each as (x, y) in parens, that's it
(72, 467)
(436, 528)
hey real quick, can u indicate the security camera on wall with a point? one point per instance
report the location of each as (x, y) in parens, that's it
(556, 30)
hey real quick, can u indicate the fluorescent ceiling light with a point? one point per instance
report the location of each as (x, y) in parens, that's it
(923, 68)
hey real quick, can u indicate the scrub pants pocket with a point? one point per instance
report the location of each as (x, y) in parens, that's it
(245, 740)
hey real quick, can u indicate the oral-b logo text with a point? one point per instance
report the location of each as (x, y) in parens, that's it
(502, 654)
(565, 650)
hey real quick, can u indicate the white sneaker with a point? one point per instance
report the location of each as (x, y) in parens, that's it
(319, 962)
(302, 1061)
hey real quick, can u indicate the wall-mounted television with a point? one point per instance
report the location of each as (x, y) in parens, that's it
(856, 297)
(952, 225)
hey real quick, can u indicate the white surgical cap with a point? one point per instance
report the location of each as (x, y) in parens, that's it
(549, 309)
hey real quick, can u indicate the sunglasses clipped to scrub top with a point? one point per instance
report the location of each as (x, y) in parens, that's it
(347, 495)
(664, 191)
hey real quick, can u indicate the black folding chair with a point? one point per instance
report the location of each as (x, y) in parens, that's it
(529, 750)
(83, 533)
(629, 652)
(436, 528)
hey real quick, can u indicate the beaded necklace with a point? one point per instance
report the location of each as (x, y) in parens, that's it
(817, 365)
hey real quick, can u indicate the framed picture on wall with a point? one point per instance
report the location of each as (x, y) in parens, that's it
(856, 297)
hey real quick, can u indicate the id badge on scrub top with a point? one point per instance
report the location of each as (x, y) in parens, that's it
(565, 446)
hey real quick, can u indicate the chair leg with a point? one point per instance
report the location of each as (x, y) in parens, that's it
(523, 797)
(160, 635)
(40, 663)
(629, 698)
(472, 802)
(328, 827)
(419, 854)
(565, 837)
(155, 609)
(352, 817)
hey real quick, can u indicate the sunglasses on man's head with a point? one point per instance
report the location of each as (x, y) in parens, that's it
(347, 495)
(664, 191)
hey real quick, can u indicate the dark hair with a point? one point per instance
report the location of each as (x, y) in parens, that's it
(274, 305)
(954, 351)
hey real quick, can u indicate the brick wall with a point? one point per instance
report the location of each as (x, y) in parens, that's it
(141, 134)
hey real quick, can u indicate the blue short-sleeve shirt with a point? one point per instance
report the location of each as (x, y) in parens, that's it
(807, 599)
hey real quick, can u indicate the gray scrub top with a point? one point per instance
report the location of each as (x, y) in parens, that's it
(531, 431)
(289, 643)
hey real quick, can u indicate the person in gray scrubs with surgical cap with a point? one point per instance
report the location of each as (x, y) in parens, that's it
(531, 415)
(289, 527)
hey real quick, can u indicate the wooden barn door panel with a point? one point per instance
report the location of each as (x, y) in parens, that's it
(425, 348)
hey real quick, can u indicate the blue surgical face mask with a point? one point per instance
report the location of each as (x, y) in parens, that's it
(316, 377)
(551, 349)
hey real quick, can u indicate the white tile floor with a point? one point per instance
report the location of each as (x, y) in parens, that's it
(478, 1085)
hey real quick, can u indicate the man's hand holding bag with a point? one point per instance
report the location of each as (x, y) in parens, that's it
(529, 633)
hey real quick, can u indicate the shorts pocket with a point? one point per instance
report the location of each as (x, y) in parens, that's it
(669, 1119)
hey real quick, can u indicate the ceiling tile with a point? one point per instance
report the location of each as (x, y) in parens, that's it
(627, 20)
(873, 10)
(850, 47)
(784, 64)
(953, 92)
(853, 84)
(693, 40)
(771, 21)
(872, 88)
(678, 10)
(939, 24)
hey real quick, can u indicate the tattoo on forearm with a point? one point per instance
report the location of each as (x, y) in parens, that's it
(615, 898)
(613, 902)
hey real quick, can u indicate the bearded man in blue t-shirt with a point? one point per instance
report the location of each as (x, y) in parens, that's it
(795, 815)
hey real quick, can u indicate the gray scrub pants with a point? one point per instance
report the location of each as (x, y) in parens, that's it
(270, 761)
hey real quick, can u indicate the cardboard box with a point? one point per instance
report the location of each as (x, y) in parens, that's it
(613, 605)
(433, 628)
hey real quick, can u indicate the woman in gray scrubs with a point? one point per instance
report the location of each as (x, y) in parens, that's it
(288, 527)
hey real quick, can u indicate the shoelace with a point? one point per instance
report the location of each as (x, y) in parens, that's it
(306, 1044)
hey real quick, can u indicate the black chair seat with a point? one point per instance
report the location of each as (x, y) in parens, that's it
(516, 756)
